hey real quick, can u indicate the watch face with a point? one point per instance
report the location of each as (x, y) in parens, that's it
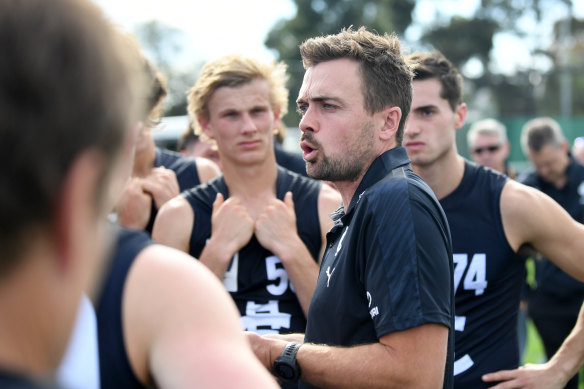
(285, 372)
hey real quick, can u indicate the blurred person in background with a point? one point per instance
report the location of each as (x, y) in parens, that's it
(578, 149)
(192, 145)
(158, 174)
(488, 145)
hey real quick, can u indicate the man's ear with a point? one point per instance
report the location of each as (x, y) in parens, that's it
(205, 125)
(459, 115)
(277, 117)
(391, 117)
(77, 205)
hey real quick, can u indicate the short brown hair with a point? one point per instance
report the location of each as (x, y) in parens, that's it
(387, 79)
(233, 71)
(435, 65)
(67, 85)
(540, 132)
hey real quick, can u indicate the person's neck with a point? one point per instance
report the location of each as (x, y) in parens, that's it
(144, 160)
(253, 184)
(347, 190)
(29, 318)
(444, 175)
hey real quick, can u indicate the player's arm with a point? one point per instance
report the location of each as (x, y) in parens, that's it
(174, 223)
(413, 358)
(181, 329)
(553, 374)
(162, 185)
(530, 216)
(207, 169)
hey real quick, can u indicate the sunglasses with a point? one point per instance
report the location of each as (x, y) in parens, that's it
(490, 149)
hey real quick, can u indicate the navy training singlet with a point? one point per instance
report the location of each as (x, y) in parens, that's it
(256, 278)
(488, 278)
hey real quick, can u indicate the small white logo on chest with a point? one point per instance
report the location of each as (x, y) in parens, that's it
(341, 241)
(329, 273)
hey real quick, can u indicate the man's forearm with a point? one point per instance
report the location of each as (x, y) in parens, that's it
(570, 357)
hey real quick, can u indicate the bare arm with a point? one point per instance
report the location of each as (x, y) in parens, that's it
(530, 216)
(174, 223)
(414, 358)
(551, 375)
(181, 328)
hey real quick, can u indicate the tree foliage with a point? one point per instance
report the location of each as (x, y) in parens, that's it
(323, 17)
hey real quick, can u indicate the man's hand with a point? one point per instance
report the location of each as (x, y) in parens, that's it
(529, 377)
(162, 185)
(231, 229)
(275, 227)
(135, 205)
(266, 347)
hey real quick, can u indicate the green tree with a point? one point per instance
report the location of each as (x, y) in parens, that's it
(323, 17)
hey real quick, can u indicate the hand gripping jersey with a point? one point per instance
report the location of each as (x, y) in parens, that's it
(115, 368)
(186, 172)
(388, 263)
(488, 277)
(256, 278)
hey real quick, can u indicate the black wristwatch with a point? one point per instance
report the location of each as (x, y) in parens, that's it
(286, 367)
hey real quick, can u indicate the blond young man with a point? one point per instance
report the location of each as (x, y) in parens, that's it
(259, 227)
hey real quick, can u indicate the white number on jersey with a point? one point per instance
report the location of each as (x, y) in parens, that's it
(476, 275)
(265, 315)
(278, 274)
(230, 276)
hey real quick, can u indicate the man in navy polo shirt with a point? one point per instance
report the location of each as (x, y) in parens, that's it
(382, 312)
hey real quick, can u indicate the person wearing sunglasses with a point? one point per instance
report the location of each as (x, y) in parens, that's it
(488, 145)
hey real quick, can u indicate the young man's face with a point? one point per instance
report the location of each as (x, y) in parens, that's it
(338, 135)
(430, 130)
(488, 150)
(242, 122)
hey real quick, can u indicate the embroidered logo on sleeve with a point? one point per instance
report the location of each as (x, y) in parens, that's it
(375, 310)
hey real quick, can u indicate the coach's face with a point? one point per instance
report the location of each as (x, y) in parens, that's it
(338, 135)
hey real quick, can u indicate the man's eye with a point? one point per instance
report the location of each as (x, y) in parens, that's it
(301, 109)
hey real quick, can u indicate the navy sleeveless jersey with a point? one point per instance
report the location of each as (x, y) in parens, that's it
(186, 172)
(115, 368)
(10, 380)
(256, 278)
(388, 263)
(488, 278)
(551, 280)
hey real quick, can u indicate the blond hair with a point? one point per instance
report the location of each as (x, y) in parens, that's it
(233, 71)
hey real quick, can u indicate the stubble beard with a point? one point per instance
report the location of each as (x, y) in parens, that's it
(348, 168)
